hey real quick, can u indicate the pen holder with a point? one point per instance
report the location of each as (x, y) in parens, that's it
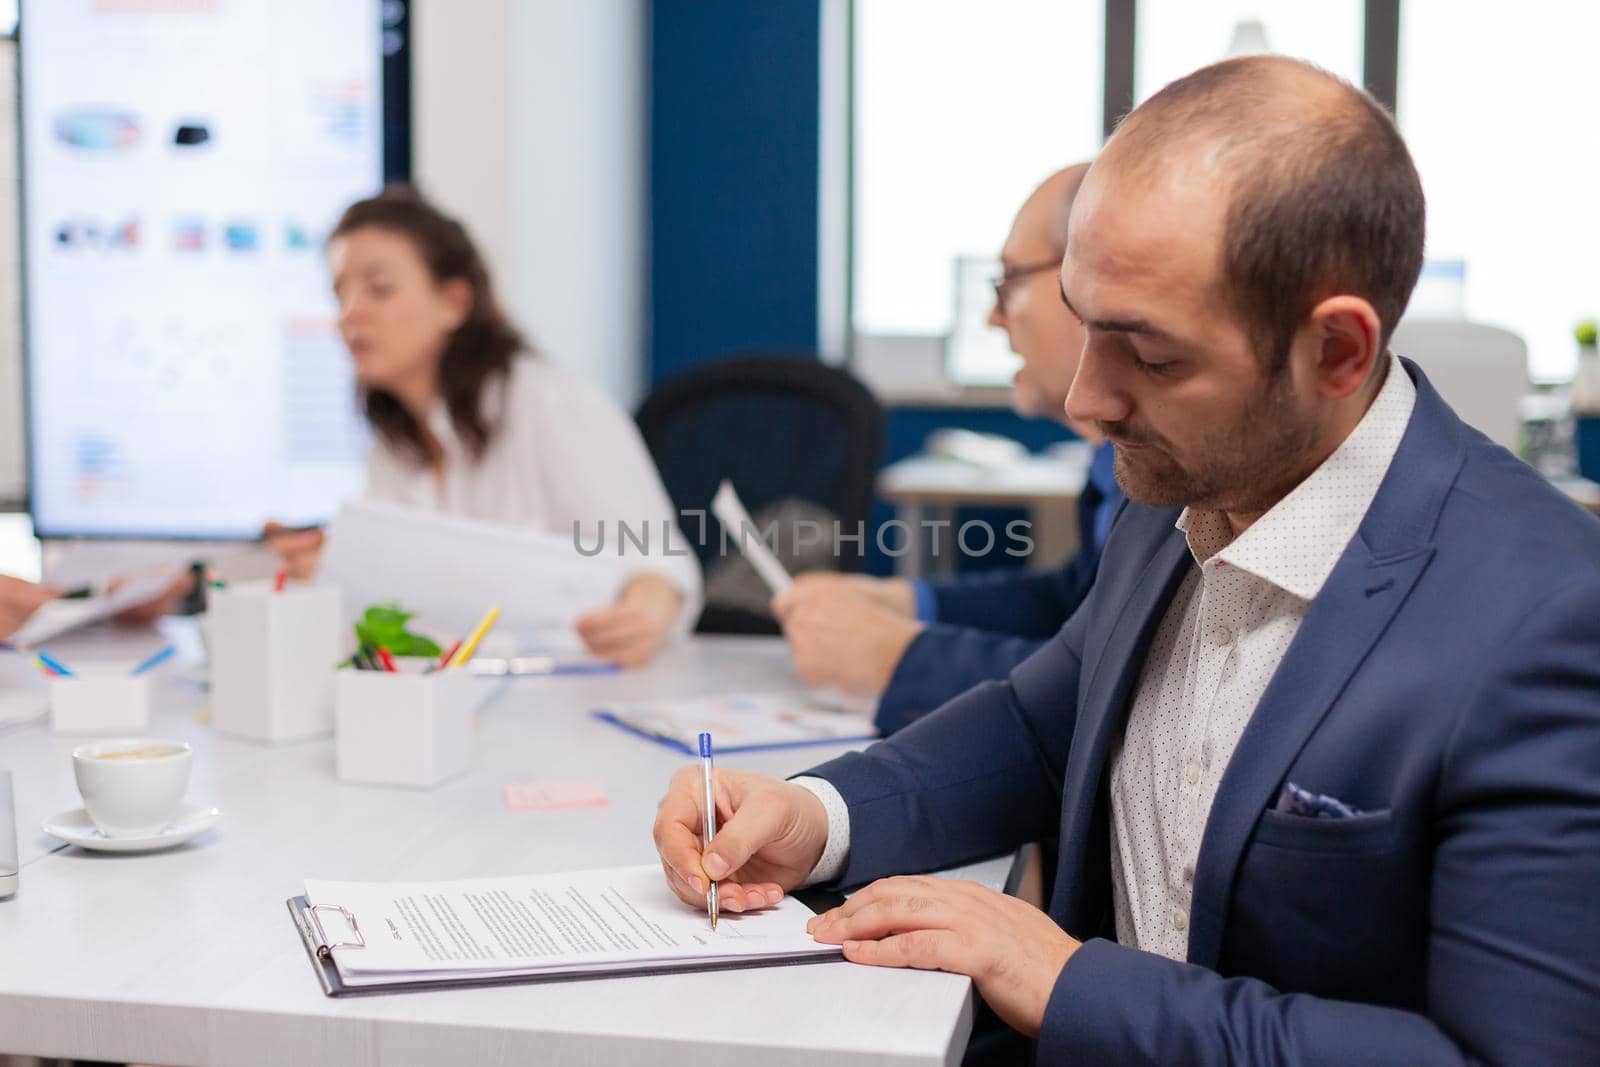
(404, 729)
(273, 656)
(94, 701)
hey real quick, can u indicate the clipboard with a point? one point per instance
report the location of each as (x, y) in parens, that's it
(680, 747)
(319, 950)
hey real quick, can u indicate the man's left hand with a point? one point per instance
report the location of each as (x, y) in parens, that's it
(1011, 950)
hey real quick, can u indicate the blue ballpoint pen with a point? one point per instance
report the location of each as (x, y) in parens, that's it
(711, 818)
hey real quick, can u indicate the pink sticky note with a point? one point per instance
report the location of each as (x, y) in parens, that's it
(543, 796)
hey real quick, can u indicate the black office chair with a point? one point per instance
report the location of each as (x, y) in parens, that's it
(791, 433)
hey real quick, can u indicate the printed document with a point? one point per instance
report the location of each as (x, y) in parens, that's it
(742, 722)
(448, 569)
(576, 923)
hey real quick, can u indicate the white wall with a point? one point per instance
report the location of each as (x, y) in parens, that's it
(529, 125)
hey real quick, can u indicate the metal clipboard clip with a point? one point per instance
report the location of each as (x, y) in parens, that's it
(324, 949)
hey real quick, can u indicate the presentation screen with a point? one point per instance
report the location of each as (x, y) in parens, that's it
(183, 162)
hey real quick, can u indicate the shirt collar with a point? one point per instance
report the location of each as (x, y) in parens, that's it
(1297, 542)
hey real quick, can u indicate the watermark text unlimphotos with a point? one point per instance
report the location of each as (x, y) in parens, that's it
(800, 537)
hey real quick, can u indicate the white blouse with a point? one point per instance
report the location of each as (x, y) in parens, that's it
(560, 452)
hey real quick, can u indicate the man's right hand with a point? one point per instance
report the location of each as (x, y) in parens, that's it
(770, 834)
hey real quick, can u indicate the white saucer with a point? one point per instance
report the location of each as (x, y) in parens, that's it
(75, 828)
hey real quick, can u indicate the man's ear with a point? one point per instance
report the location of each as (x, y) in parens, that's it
(1347, 333)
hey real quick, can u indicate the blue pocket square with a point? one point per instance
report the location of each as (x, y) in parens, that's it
(1296, 801)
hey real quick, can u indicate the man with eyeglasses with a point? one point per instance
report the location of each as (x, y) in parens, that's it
(915, 644)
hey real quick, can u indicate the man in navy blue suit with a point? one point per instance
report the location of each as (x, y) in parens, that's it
(916, 644)
(1323, 742)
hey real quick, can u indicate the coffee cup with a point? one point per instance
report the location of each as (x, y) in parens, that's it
(132, 787)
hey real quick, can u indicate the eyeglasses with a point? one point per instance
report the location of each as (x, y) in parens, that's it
(1003, 283)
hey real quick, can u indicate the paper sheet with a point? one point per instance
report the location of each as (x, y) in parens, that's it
(61, 616)
(448, 570)
(544, 924)
(742, 531)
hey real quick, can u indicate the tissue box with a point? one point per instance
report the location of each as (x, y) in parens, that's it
(273, 658)
(404, 729)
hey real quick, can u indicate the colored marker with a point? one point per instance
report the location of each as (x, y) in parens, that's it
(156, 660)
(280, 580)
(388, 660)
(465, 652)
(55, 665)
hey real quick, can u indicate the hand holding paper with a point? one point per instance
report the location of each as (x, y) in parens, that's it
(60, 616)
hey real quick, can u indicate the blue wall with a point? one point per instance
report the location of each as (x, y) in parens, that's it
(733, 179)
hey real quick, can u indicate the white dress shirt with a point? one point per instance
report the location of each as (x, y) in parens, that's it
(1217, 647)
(560, 452)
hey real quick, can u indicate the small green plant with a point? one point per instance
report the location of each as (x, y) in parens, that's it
(384, 626)
(1585, 332)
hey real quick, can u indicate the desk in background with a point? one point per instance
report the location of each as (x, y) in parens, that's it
(927, 488)
(188, 957)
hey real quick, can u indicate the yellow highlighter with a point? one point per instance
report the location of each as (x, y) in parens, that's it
(470, 645)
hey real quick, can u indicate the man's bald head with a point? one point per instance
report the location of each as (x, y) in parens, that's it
(1048, 208)
(1028, 306)
(1323, 197)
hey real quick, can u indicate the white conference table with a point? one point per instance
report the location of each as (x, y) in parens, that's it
(188, 957)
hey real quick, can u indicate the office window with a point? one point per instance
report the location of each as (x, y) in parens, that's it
(1499, 108)
(1175, 37)
(960, 109)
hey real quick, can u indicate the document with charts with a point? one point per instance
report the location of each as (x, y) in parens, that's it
(574, 924)
(747, 722)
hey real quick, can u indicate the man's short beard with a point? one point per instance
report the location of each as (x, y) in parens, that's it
(1245, 468)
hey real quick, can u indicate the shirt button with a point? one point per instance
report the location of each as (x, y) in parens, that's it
(1222, 636)
(1192, 773)
(1180, 921)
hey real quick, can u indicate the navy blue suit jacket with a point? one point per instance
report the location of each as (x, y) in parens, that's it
(1446, 682)
(988, 623)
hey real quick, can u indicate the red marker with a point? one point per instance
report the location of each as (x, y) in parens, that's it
(449, 654)
(281, 580)
(388, 660)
